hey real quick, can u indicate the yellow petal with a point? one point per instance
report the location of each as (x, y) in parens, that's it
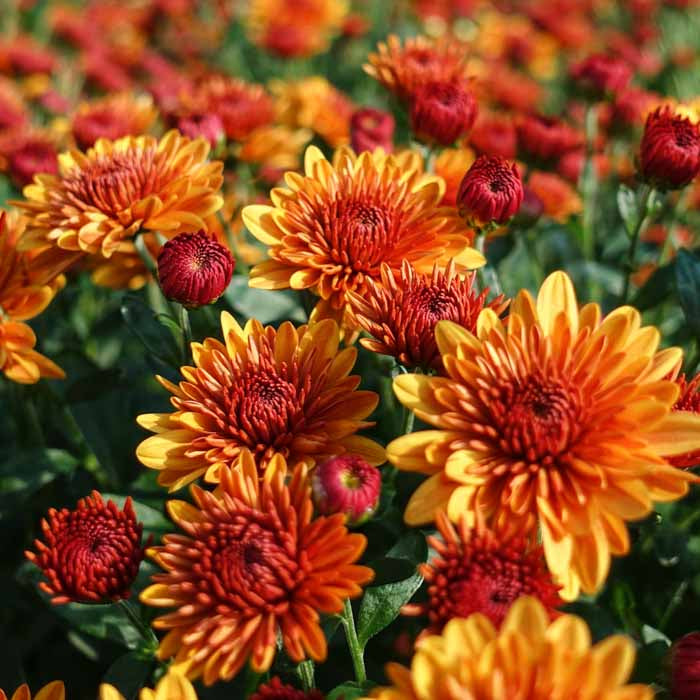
(432, 495)
(678, 433)
(557, 295)
(528, 617)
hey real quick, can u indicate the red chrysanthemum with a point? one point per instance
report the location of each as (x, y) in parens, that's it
(349, 485)
(253, 566)
(194, 269)
(669, 156)
(491, 191)
(208, 126)
(26, 153)
(688, 400)
(276, 690)
(401, 309)
(91, 554)
(475, 572)
(370, 129)
(632, 105)
(494, 135)
(602, 74)
(546, 138)
(685, 667)
(442, 112)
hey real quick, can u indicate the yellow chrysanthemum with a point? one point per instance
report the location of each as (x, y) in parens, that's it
(332, 228)
(53, 691)
(555, 418)
(105, 196)
(287, 391)
(529, 658)
(172, 686)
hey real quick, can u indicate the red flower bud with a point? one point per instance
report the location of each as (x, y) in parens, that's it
(685, 667)
(491, 191)
(547, 138)
(194, 269)
(669, 156)
(494, 136)
(347, 484)
(91, 554)
(276, 690)
(602, 74)
(441, 112)
(370, 129)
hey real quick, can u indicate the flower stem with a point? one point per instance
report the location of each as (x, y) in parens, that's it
(144, 630)
(487, 275)
(305, 671)
(356, 651)
(675, 601)
(643, 215)
(589, 185)
(186, 328)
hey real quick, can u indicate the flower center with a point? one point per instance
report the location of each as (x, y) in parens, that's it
(431, 304)
(538, 418)
(114, 182)
(686, 136)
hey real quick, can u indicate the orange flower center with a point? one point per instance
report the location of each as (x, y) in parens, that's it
(114, 182)
(537, 419)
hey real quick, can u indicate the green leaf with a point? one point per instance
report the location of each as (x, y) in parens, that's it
(411, 546)
(381, 605)
(350, 691)
(128, 674)
(628, 207)
(392, 570)
(688, 285)
(265, 305)
(656, 289)
(24, 473)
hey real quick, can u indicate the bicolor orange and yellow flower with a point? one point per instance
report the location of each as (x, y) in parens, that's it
(558, 419)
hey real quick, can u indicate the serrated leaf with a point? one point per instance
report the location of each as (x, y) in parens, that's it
(381, 605)
(688, 285)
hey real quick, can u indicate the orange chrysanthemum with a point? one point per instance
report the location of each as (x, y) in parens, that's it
(111, 117)
(313, 103)
(285, 392)
(171, 686)
(477, 572)
(53, 691)
(560, 199)
(556, 418)
(529, 658)
(451, 165)
(253, 564)
(274, 148)
(105, 196)
(403, 69)
(401, 309)
(332, 229)
(18, 359)
(295, 27)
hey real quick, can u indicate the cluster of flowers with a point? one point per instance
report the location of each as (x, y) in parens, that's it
(550, 425)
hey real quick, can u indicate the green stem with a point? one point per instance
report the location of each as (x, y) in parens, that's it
(356, 651)
(186, 328)
(589, 185)
(538, 273)
(487, 275)
(305, 671)
(676, 600)
(647, 196)
(146, 632)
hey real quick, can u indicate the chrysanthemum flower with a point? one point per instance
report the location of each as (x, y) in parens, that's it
(13, 111)
(18, 359)
(285, 392)
(602, 74)
(559, 198)
(401, 309)
(371, 129)
(450, 165)
(688, 400)
(494, 135)
(293, 28)
(313, 103)
(91, 554)
(274, 148)
(105, 196)
(26, 152)
(194, 269)
(403, 69)
(528, 658)
(669, 154)
(276, 690)
(172, 686)
(251, 565)
(112, 117)
(476, 572)
(331, 230)
(546, 138)
(685, 667)
(53, 691)
(557, 418)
